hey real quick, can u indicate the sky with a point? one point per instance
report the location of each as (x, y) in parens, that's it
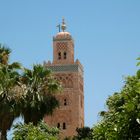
(106, 35)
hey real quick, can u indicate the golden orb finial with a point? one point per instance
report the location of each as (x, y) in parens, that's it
(63, 26)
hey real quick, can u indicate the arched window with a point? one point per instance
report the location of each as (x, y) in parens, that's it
(65, 102)
(70, 83)
(65, 55)
(64, 125)
(59, 55)
(58, 125)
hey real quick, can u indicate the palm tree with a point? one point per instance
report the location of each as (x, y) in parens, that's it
(4, 54)
(30, 94)
(9, 78)
(39, 86)
(8, 83)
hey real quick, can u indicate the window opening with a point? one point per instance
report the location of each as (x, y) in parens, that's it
(65, 55)
(65, 102)
(58, 125)
(59, 55)
(64, 125)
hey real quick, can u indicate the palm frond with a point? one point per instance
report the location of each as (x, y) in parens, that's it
(15, 65)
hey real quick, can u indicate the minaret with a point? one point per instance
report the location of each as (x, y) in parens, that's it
(70, 113)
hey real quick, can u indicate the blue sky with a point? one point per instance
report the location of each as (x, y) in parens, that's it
(106, 34)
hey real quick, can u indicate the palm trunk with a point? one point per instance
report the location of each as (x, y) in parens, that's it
(3, 135)
(7, 121)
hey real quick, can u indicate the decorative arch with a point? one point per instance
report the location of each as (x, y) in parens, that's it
(64, 82)
(70, 83)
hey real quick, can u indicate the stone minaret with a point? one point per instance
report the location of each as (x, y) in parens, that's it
(70, 113)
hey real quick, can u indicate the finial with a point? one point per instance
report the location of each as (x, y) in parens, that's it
(63, 26)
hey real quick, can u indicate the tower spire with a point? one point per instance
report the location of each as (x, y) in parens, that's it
(63, 26)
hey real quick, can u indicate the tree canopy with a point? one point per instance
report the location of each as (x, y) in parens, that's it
(84, 133)
(122, 118)
(38, 89)
(31, 132)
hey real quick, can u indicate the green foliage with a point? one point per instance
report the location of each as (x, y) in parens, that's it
(31, 132)
(30, 93)
(122, 119)
(4, 54)
(138, 64)
(39, 87)
(68, 138)
(84, 133)
(9, 81)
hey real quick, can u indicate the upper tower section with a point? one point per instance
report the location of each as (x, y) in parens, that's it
(63, 46)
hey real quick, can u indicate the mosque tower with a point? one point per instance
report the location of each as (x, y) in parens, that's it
(70, 114)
